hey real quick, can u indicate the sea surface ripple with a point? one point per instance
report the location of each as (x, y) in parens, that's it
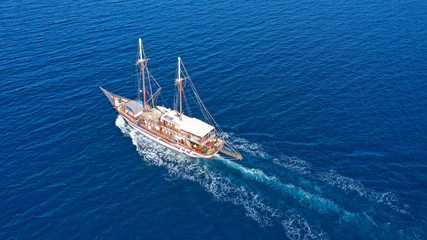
(327, 102)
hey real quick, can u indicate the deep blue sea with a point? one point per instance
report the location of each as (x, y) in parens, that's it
(326, 101)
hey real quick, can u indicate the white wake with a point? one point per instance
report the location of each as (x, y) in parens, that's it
(221, 188)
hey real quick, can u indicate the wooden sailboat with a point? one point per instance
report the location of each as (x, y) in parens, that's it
(171, 128)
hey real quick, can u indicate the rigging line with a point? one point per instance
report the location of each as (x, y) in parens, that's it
(195, 93)
(145, 67)
(205, 116)
(227, 142)
(163, 100)
(175, 95)
(138, 79)
(175, 99)
(138, 82)
(186, 105)
(202, 106)
(152, 96)
(136, 85)
(156, 97)
(220, 130)
(151, 90)
(143, 51)
(191, 95)
(152, 77)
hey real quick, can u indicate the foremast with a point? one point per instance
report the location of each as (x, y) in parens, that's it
(141, 62)
(178, 82)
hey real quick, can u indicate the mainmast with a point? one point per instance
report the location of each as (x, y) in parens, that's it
(179, 81)
(141, 61)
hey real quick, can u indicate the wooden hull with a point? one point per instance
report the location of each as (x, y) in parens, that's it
(180, 140)
(165, 142)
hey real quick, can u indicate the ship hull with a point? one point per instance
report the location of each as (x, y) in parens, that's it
(159, 140)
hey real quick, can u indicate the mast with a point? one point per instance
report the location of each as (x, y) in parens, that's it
(180, 88)
(142, 61)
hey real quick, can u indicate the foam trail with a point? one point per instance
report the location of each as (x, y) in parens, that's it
(346, 184)
(298, 228)
(295, 164)
(350, 185)
(315, 202)
(244, 145)
(331, 177)
(361, 220)
(221, 188)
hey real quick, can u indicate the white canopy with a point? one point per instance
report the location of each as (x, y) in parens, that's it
(191, 125)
